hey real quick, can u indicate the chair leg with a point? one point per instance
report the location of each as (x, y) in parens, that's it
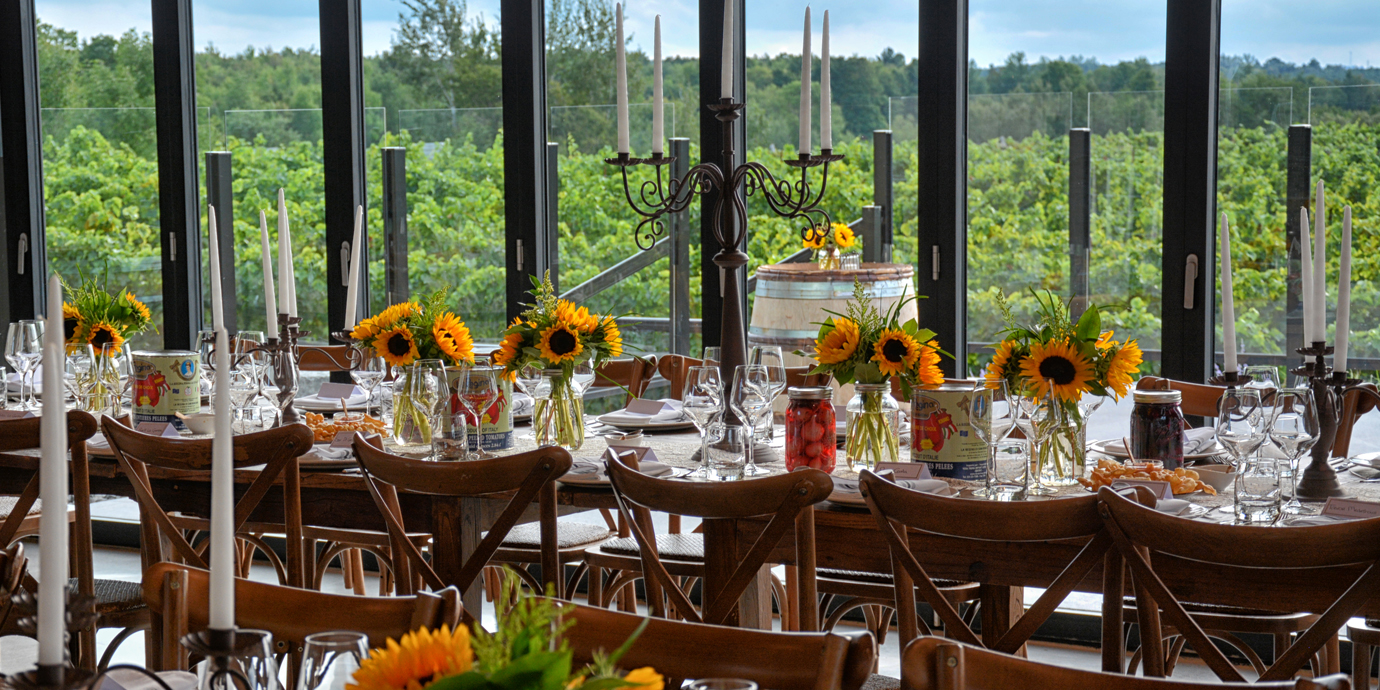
(1360, 665)
(346, 572)
(357, 571)
(594, 595)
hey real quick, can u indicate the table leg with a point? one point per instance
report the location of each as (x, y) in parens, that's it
(754, 608)
(1001, 606)
(455, 532)
(1113, 628)
(720, 560)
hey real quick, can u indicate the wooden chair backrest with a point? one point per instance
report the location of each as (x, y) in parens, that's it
(673, 368)
(1248, 554)
(276, 449)
(1199, 399)
(24, 434)
(324, 358)
(633, 374)
(178, 594)
(787, 498)
(528, 476)
(935, 663)
(1354, 404)
(678, 650)
(898, 509)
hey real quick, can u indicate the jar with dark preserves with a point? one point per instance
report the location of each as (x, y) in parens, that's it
(1157, 428)
(810, 436)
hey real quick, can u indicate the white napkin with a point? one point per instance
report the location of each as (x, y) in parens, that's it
(315, 403)
(523, 404)
(1195, 441)
(1314, 521)
(325, 452)
(1172, 506)
(127, 679)
(939, 487)
(670, 413)
(97, 442)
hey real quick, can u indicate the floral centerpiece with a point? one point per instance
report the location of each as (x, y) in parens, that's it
(553, 337)
(404, 334)
(1062, 371)
(829, 242)
(869, 348)
(527, 652)
(96, 318)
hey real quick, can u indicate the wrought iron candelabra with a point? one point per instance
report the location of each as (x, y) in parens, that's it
(285, 356)
(1319, 481)
(798, 199)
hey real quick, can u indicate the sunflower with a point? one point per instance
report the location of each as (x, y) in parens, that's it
(103, 332)
(578, 318)
(397, 347)
(1063, 364)
(839, 344)
(843, 236)
(1124, 363)
(366, 329)
(560, 343)
(645, 677)
(72, 324)
(421, 658)
(996, 371)
(814, 240)
(927, 369)
(390, 316)
(453, 338)
(139, 308)
(613, 338)
(895, 351)
(1105, 342)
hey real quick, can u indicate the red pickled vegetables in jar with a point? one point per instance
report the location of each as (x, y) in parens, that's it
(810, 436)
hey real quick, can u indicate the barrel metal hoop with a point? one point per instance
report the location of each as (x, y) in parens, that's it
(833, 289)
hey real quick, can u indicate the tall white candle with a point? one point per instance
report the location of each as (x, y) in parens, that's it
(52, 542)
(352, 289)
(658, 101)
(805, 59)
(621, 64)
(726, 59)
(1228, 303)
(222, 596)
(826, 99)
(1320, 265)
(217, 304)
(287, 276)
(1343, 294)
(1306, 278)
(270, 302)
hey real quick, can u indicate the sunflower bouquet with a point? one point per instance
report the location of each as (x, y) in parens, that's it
(527, 652)
(553, 337)
(829, 241)
(93, 316)
(869, 348)
(1062, 370)
(404, 334)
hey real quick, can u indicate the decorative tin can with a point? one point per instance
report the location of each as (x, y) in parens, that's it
(166, 382)
(496, 427)
(941, 435)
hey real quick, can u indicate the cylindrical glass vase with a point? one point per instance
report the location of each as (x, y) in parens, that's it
(873, 422)
(558, 417)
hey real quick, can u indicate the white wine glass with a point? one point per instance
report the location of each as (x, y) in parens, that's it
(703, 400)
(748, 398)
(368, 374)
(476, 386)
(1294, 431)
(992, 417)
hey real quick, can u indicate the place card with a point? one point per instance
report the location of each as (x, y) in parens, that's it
(163, 429)
(1162, 490)
(906, 470)
(343, 440)
(647, 407)
(1350, 509)
(335, 391)
(16, 414)
(640, 453)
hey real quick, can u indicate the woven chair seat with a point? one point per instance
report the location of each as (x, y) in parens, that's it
(877, 681)
(1194, 607)
(876, 578)
(116, 595)
(7, 505)
(676, 547)
(569, 535)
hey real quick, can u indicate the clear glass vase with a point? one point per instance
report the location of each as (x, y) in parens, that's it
(558, 417)
(1060, 456)
(873, 422)
(827, 258)
(411, 419)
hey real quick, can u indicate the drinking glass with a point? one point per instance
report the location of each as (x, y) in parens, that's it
(368, 374)
(581, 378)
(712, 356)
(1294, 431)
(329, 659)
(244, 386)
(769, 356)
(722, 684)
(729, 450)
(23, 350)
(1263, 377)
(1032, 418)
(206, 348)
(748, 398)
(286, 381)
(431, 394)
(1242, 424)
(78, 375)
(250, 667)
(992, 419)
(477, 388)
(257, 361)
(703, 400)
(1257, 491)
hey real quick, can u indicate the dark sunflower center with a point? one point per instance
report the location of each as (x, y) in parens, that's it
(1058, 368)
(101, 337)
(69, 328)
(398, 345)
(894, 350)
(562, 342)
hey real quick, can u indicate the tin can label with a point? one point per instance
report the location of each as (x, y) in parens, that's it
(942, 435)
(166, 382)
(496, 423)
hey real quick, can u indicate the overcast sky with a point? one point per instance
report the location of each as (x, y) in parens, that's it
(1333, 31)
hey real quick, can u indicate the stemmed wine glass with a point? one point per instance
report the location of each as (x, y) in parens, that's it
(244, 386)
(1032, 413)
(703, 399)
(24, 349)
(1242, 427)
(368, 374)
(713, 355)
(1294, 431)
(748, 399)
(78, 375)
(769, 356)
(330, 659)
(1263, 377)
(992, 418)
(255, 360)
(477, 388)
(206, 348)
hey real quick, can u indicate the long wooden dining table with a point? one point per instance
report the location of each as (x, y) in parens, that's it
(847, 538)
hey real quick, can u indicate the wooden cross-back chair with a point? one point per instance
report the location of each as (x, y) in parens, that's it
(276, 449)
(932, 663)
(329, 358)
(1335, 568)
(680, 650)
(632, 374)
(788, 498)
(523, 478)
(178, 596)
(899, 510)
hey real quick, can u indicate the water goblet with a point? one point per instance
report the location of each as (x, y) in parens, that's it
(368, 374)
(477, 388)
(992, 418)
(703, 400)
(1293, 429)
(748, 398)
(330, 659)
(1242, 427)
(431, 395)
(1263, 377)
(769, 356)
(23, 350)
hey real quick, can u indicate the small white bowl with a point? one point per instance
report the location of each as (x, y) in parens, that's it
(1218, 477)
(201, 423)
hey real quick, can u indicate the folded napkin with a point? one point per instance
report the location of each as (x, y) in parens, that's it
(97, 442)
(523, 404)
(938, 487)
(128, 679)
(1367, 459)
(1195, 441)
(671, 412)
(1172, 506)
(1314, 521)
(325, 452)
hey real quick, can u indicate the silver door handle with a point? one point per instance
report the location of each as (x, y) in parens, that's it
(345, 264)
(1190, 277)
(23, 249)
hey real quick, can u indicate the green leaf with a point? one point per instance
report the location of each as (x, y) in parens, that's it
(605, 684)
(1090, 324)
(473, 680)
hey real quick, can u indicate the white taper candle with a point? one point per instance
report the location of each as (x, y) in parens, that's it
(826, 99)
(217, 304)
(658, 100)
(287, 275)
(222, 595)
(726, 59)
(621, 64)
(52, 542)
(1320, 264)
(1343, 295)
(352, 287)
(1306, 278)
(1228, 303)
(805, 60)
(270, 302)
